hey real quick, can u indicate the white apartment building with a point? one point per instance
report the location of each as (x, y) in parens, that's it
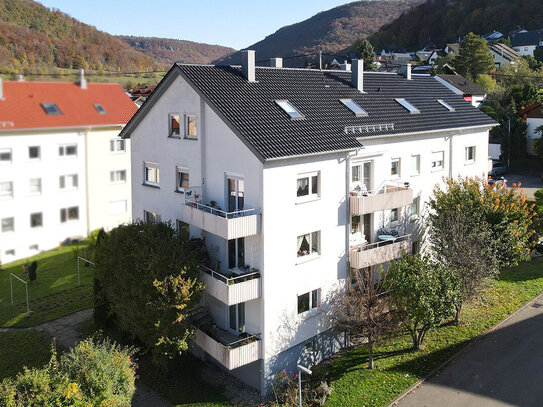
(293, 177)
(64, 170)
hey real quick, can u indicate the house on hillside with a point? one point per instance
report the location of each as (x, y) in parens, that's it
(295, 178)
(470, 91)
(534, 118)
(64, 169)
(492, 36)
(452, 49)
(527, 42)
(503, 55)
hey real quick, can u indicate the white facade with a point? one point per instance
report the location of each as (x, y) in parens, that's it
(532, 123)
(277, 219)
(525, 49)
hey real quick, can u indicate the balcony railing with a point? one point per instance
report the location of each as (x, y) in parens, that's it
(379, 252)
(389, 196)
(234, 289)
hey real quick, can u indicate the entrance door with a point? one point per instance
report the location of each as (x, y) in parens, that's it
(236, 194)
(236, 253)
(237, 317)
(367, 175)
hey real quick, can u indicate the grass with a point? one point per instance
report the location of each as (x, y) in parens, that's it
(22, 348)
(397, 367)
(54, 294)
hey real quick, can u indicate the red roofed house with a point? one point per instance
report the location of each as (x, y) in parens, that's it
(64, 171)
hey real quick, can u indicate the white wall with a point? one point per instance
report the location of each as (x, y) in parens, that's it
(531, 134)
(525, 50)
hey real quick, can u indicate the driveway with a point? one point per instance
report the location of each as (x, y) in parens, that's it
(504, 369)
(530, 181)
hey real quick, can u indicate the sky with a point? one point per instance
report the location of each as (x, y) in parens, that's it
(234, 23)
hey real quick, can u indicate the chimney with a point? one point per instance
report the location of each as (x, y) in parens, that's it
(406, 71)
(345, 66)
(20, 78)
(82, 80)
(357, 74)
(276, 62)
(1, 89)
(248, 64)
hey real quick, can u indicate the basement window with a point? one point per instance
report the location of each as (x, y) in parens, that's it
(412, 109)
(289, 109)
(100, 109)
(51, 108)
(353, 107)
(446, 105)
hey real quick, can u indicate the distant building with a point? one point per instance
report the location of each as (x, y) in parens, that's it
(492, 36)
(525, 43)
(452, 49)
(503, 55)
(470, 91)
(534, 118)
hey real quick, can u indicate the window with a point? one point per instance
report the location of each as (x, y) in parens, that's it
(395, 167)
(5, 155)
(6, 190)
(415, 247)
(183, 229)
(34, 247)
(174, 125)
(353, 107)
(415, 164)
(34, 186)
(99, 108)
(190, 126)
(8, 225)
(152, 174)
(437, 160)
(236, 317)
(117, 207)
(67, 150)
(355, 224)
(181, 179)
(117, 145)
(151, 216)
(236, 253)
(10, 252)
(69, 214)
(36, 220)
(51, 108)
(414, 208)
(117, 176)
(308, 185)
(308, 244)
(289, 109)
(407, 105)
(446, 105)
(470, 154)
(68, 181)
(394, 215)
(308, 301)
(34, 152)
(355, 173)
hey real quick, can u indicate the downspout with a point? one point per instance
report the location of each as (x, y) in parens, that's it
(451, 137)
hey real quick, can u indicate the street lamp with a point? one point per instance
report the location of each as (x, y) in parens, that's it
(300, 370)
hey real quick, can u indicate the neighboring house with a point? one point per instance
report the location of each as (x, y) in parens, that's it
(503, 55)
(470, 91)
(453, 48)
(64, 171)
(525, 43)
(534, 118)
(294, 178)
(492, 36)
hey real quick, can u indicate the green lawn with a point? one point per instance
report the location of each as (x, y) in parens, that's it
(54, 293)
(398, 368)
(22, 348)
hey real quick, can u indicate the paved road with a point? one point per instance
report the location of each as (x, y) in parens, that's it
(530, 181)
(503, 369)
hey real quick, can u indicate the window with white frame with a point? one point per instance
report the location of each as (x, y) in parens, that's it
(6, 190)
(34, 248)
(307, 185)
(438, 160)
(36, 220)
(67, 150)
(68, 182)
(415, 164)
(470, 154)
(308, 244)
(151, 174)
(117, 207)
(117, 176)
(8, 225)
(183, 229)
(395, 167)
(181, 178)
(117, 145)
(394, 215)
(34, 152)
(149, 216)
(69, 214)
(34, 186)
(5, 155)
(190, 126)
(10, 252)
(414, 208)
(174, 125)
(308, 301)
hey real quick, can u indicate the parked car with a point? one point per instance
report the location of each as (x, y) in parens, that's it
(539, 247)
(498, 168)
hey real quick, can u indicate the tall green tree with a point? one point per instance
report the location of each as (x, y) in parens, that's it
(474, 57)
(364, 50)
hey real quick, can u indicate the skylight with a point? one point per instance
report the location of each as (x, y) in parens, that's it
(100, 109)
(51, 108)
(353, 107)
(412, 109)
(289, 109)
(445, 104)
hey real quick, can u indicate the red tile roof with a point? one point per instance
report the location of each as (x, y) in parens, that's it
(21, 107)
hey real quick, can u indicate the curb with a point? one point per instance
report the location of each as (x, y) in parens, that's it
(463, 350)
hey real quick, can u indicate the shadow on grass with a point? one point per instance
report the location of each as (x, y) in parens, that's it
(525, 271)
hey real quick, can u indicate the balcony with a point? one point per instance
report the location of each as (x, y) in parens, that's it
(380, 252)
(234, 289)
(387, 197)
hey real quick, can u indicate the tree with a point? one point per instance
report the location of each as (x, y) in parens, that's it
(423, 292)
(364, 50)
(364, 310)
(473, 57)
(148, 276)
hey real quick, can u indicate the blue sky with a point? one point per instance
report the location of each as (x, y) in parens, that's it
(237, 23)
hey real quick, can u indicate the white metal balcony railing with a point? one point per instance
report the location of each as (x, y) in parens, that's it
(232, 290)
(228, 225)
(389, 195)
(371, 254)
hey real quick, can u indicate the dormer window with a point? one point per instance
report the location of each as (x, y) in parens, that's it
(446, 105)
(353, 107)
(289, 109)
(99, 108)
(51, 108)
(407, 105)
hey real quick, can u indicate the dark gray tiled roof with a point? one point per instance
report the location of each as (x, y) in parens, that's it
(251, 110)
(506, 52)
(461, 83)
(529, 38)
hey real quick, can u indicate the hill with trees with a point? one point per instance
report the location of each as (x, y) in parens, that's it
(330, 31)
(442, 21)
